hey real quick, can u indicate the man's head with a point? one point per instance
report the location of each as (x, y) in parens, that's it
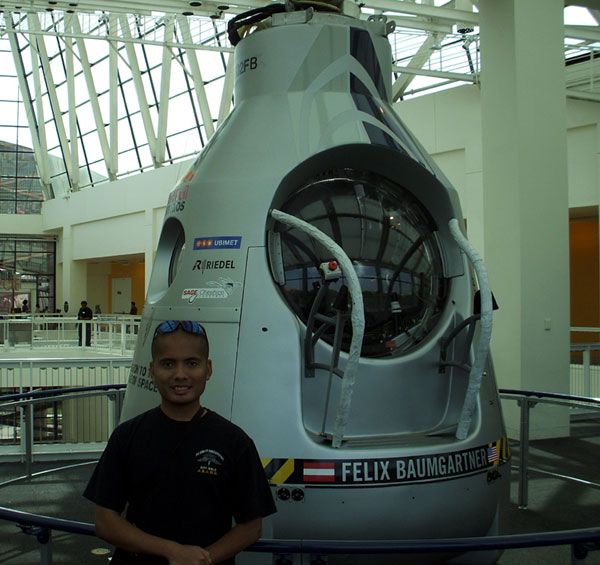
(187, 326)
(84, 303)
(180, 365)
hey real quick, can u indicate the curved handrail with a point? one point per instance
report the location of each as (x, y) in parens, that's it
(42, 521)
(513, 541)
(549, 395)
(15, 480)
(44, 393)
(485, 331)
(527, 400)
(357, 318)
(584, 346)
(103, 360)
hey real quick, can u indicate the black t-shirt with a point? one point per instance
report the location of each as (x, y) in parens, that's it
(182, 481)
(85, 313)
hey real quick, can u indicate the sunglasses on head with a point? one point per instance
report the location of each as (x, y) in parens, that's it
(187, 326)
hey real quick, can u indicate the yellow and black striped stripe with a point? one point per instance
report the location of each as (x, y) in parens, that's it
(278, 471)
(504, 449)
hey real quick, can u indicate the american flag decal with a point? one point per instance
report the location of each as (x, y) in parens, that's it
(319, 472)
(492, 453)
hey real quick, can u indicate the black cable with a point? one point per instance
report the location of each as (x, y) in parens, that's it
(248, 18)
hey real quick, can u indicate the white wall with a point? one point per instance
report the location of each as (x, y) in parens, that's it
(21, 224)
(97, 285)
(119, 235)
(582, 154)
(448, 124)
(111, 220)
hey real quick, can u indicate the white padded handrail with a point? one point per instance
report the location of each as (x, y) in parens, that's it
(357, 317)
(485, 331)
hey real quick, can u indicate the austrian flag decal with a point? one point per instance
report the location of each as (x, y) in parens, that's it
(319, 472)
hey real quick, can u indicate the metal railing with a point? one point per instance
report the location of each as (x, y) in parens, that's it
(59, 407)
(527, 400)
(582, 541)
(585, 362)
(113, 334)
(27, 400)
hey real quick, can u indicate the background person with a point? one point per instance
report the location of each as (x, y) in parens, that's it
(85, 313)
(181, 470)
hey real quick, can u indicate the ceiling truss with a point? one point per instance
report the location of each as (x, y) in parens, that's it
(183, 30)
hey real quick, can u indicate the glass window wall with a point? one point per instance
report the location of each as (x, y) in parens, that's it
(27, 272)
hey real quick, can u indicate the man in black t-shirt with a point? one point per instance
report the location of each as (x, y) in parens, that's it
(182, 470)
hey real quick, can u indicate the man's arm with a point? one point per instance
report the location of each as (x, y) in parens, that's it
(235, 540)
(115, 529)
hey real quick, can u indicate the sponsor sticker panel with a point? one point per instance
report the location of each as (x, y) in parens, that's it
(218, 242)
(220, 289)
(177, 199)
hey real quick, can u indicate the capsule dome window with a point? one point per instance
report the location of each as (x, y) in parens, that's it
(171, 246)
(391, 240)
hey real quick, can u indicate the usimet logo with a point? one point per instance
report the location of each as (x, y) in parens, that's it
(227, 242)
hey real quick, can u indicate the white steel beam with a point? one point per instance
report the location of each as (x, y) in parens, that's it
(39, 45)
(113, 100)
(421, 24)
(437, 74)
(136, 75)
(40, 127)
(416, 63)
(140, 41)
(586, 33)
(165, 83)
(225, 106)
(201, 97)
(438, 14)
(36, 127)
(141, 7)
(72, 107)
(93, 96)
(149, 7)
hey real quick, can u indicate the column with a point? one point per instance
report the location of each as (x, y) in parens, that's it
(526, 200)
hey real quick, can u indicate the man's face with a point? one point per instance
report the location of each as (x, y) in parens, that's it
(180, 368)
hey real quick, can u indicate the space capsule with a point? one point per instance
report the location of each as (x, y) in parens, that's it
(320, 246)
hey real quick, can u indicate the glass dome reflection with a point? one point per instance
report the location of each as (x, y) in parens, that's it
(391, 241)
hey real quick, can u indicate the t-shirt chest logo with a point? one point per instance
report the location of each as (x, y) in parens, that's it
(209, 462)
